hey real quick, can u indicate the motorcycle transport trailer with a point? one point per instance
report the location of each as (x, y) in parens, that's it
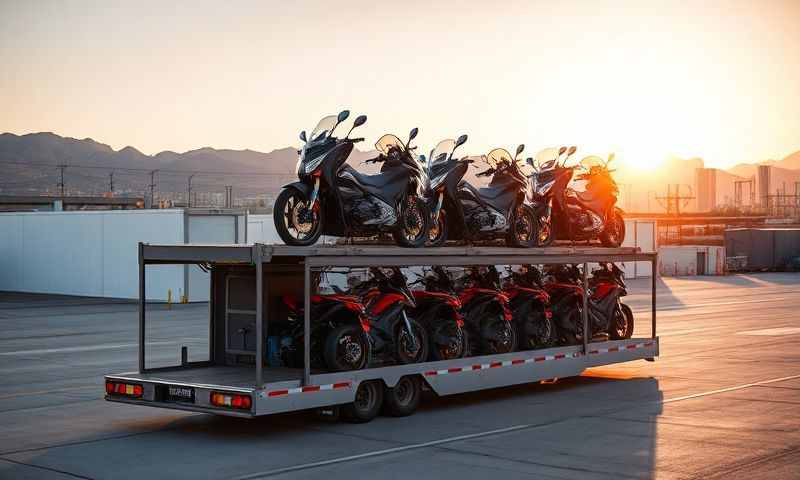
(247, 282)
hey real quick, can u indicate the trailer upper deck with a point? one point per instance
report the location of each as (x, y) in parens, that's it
(361, 255)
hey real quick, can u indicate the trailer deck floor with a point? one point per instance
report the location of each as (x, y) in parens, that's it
(230, 376)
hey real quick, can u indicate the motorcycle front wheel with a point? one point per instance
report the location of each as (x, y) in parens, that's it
(456, 346)
(408, 349)
(522, 232)
(614, 233)
(544, 231)
(296, 224)
(540, 332)
(622, 323)
(347, 348)
(498, 336)
(412, 224)
(437, 234)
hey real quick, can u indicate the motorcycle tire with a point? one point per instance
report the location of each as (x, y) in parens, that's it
(403, 399)
(437, 233)
(423, 216)
(614, 233)
(574, 333)
(347, 348)
(367, 404)
(282, 219)
(403, 354)
(498, 336)
(462, 349)
(516, 237)
(540, 332)
(622, 324)
(545, 236)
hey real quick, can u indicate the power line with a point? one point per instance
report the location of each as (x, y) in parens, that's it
(147, 170)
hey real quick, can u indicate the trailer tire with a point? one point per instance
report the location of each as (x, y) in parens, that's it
(367, 404)
(403, 399)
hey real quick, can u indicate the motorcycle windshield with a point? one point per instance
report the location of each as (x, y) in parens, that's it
(498, 156)
(441, 153)
(592, 161)
(546, 159)
(323, 128)
(387, 142)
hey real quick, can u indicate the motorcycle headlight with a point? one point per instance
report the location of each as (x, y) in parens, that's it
(436, 181)
(312, 164)
(541, 188)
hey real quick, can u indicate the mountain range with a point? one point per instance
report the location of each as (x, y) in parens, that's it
(29, 164)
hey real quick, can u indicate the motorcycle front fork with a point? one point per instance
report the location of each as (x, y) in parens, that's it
(410, 330)
(438, 207)
(314, 195)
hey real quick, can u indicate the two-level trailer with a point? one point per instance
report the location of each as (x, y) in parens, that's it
(246, 285)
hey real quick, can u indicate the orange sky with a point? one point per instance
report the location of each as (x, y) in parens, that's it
(719, 80)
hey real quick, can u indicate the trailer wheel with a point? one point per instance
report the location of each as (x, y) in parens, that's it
(367, 404)
(403, 399)
(347, 348)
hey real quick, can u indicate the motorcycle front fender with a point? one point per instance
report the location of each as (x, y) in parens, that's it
(302, 187)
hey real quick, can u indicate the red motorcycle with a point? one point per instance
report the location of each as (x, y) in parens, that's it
(439, 310)
(339, 333)
(607, 285)
(396, 336)
(530, 306)
(487, 313)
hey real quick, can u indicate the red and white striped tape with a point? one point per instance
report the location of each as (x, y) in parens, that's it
(468, 368)
(309, 389)
(506, 363)
(632, 346)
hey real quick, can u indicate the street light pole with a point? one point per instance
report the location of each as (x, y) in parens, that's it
(189, 193)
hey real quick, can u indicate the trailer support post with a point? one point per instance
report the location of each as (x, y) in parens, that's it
(307, 324)
(585, 313)
(142, 301)
(259, 316)
(654, 263)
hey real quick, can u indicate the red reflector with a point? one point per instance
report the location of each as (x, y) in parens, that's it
(137, 390)
(246, 402)
(109, 388)
(236, 401)
(120, 388)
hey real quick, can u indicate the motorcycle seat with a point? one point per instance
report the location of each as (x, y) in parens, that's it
(591, 202)
(374, 181)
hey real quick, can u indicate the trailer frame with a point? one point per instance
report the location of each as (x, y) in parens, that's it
(307, 389)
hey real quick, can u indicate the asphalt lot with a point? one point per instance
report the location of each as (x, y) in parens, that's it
(723, 400)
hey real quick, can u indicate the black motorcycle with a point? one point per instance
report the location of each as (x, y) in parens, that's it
(332, 198)
(530, 306)
(567, 214)
(500, 210)
(443, 175)
(487, 314)
(395, 335)
(439, 310)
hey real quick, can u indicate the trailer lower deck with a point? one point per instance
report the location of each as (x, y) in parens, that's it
(274, 270)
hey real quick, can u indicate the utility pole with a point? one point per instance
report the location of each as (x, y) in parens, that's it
(111, 183)
(228, 196)
(61, 168)
(152, 187)
(673, 202)
(189, 191)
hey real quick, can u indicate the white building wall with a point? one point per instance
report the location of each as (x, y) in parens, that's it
(681, 260)
(86, 253)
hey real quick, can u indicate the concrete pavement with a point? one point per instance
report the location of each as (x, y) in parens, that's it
(721, 401)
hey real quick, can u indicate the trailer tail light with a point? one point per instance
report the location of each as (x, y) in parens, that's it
(231, 400)
(124, 389)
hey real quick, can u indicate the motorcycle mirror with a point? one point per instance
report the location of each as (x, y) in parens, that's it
(561, 151)
(571, 150)
(339, 119)
(303, 136)
(520, 148)
(611, 157)
(412, 135)
(422, 159)
(461, 141)
(360, 120)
